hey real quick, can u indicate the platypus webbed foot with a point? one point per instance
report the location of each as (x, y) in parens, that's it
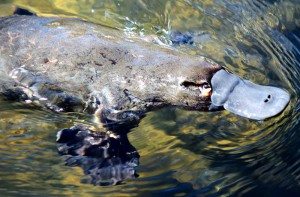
(245, 98)
(107, 159)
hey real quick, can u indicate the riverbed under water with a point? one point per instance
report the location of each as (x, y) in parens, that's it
(183, 153)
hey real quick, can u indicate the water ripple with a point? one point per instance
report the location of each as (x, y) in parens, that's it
(182, 152)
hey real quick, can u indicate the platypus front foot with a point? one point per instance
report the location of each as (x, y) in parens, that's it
(106, 158)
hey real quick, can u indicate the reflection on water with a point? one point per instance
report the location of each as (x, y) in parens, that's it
(182, 152)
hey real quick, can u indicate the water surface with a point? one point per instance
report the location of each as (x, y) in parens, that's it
(182, 152)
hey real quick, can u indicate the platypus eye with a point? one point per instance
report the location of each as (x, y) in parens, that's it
(205, 85)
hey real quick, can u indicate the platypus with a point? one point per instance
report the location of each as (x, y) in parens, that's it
(72, 65)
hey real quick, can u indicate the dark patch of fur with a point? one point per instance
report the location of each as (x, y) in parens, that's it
(21, 11)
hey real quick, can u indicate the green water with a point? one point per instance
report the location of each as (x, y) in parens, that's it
(183, 153)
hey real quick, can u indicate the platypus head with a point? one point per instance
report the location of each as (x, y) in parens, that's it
(245, 98)
(239, 96)
(217, 89)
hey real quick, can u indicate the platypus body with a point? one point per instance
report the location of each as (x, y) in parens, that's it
(73, 65)
(84, 60)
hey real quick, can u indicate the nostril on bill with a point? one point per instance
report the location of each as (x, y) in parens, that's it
(267, 99)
